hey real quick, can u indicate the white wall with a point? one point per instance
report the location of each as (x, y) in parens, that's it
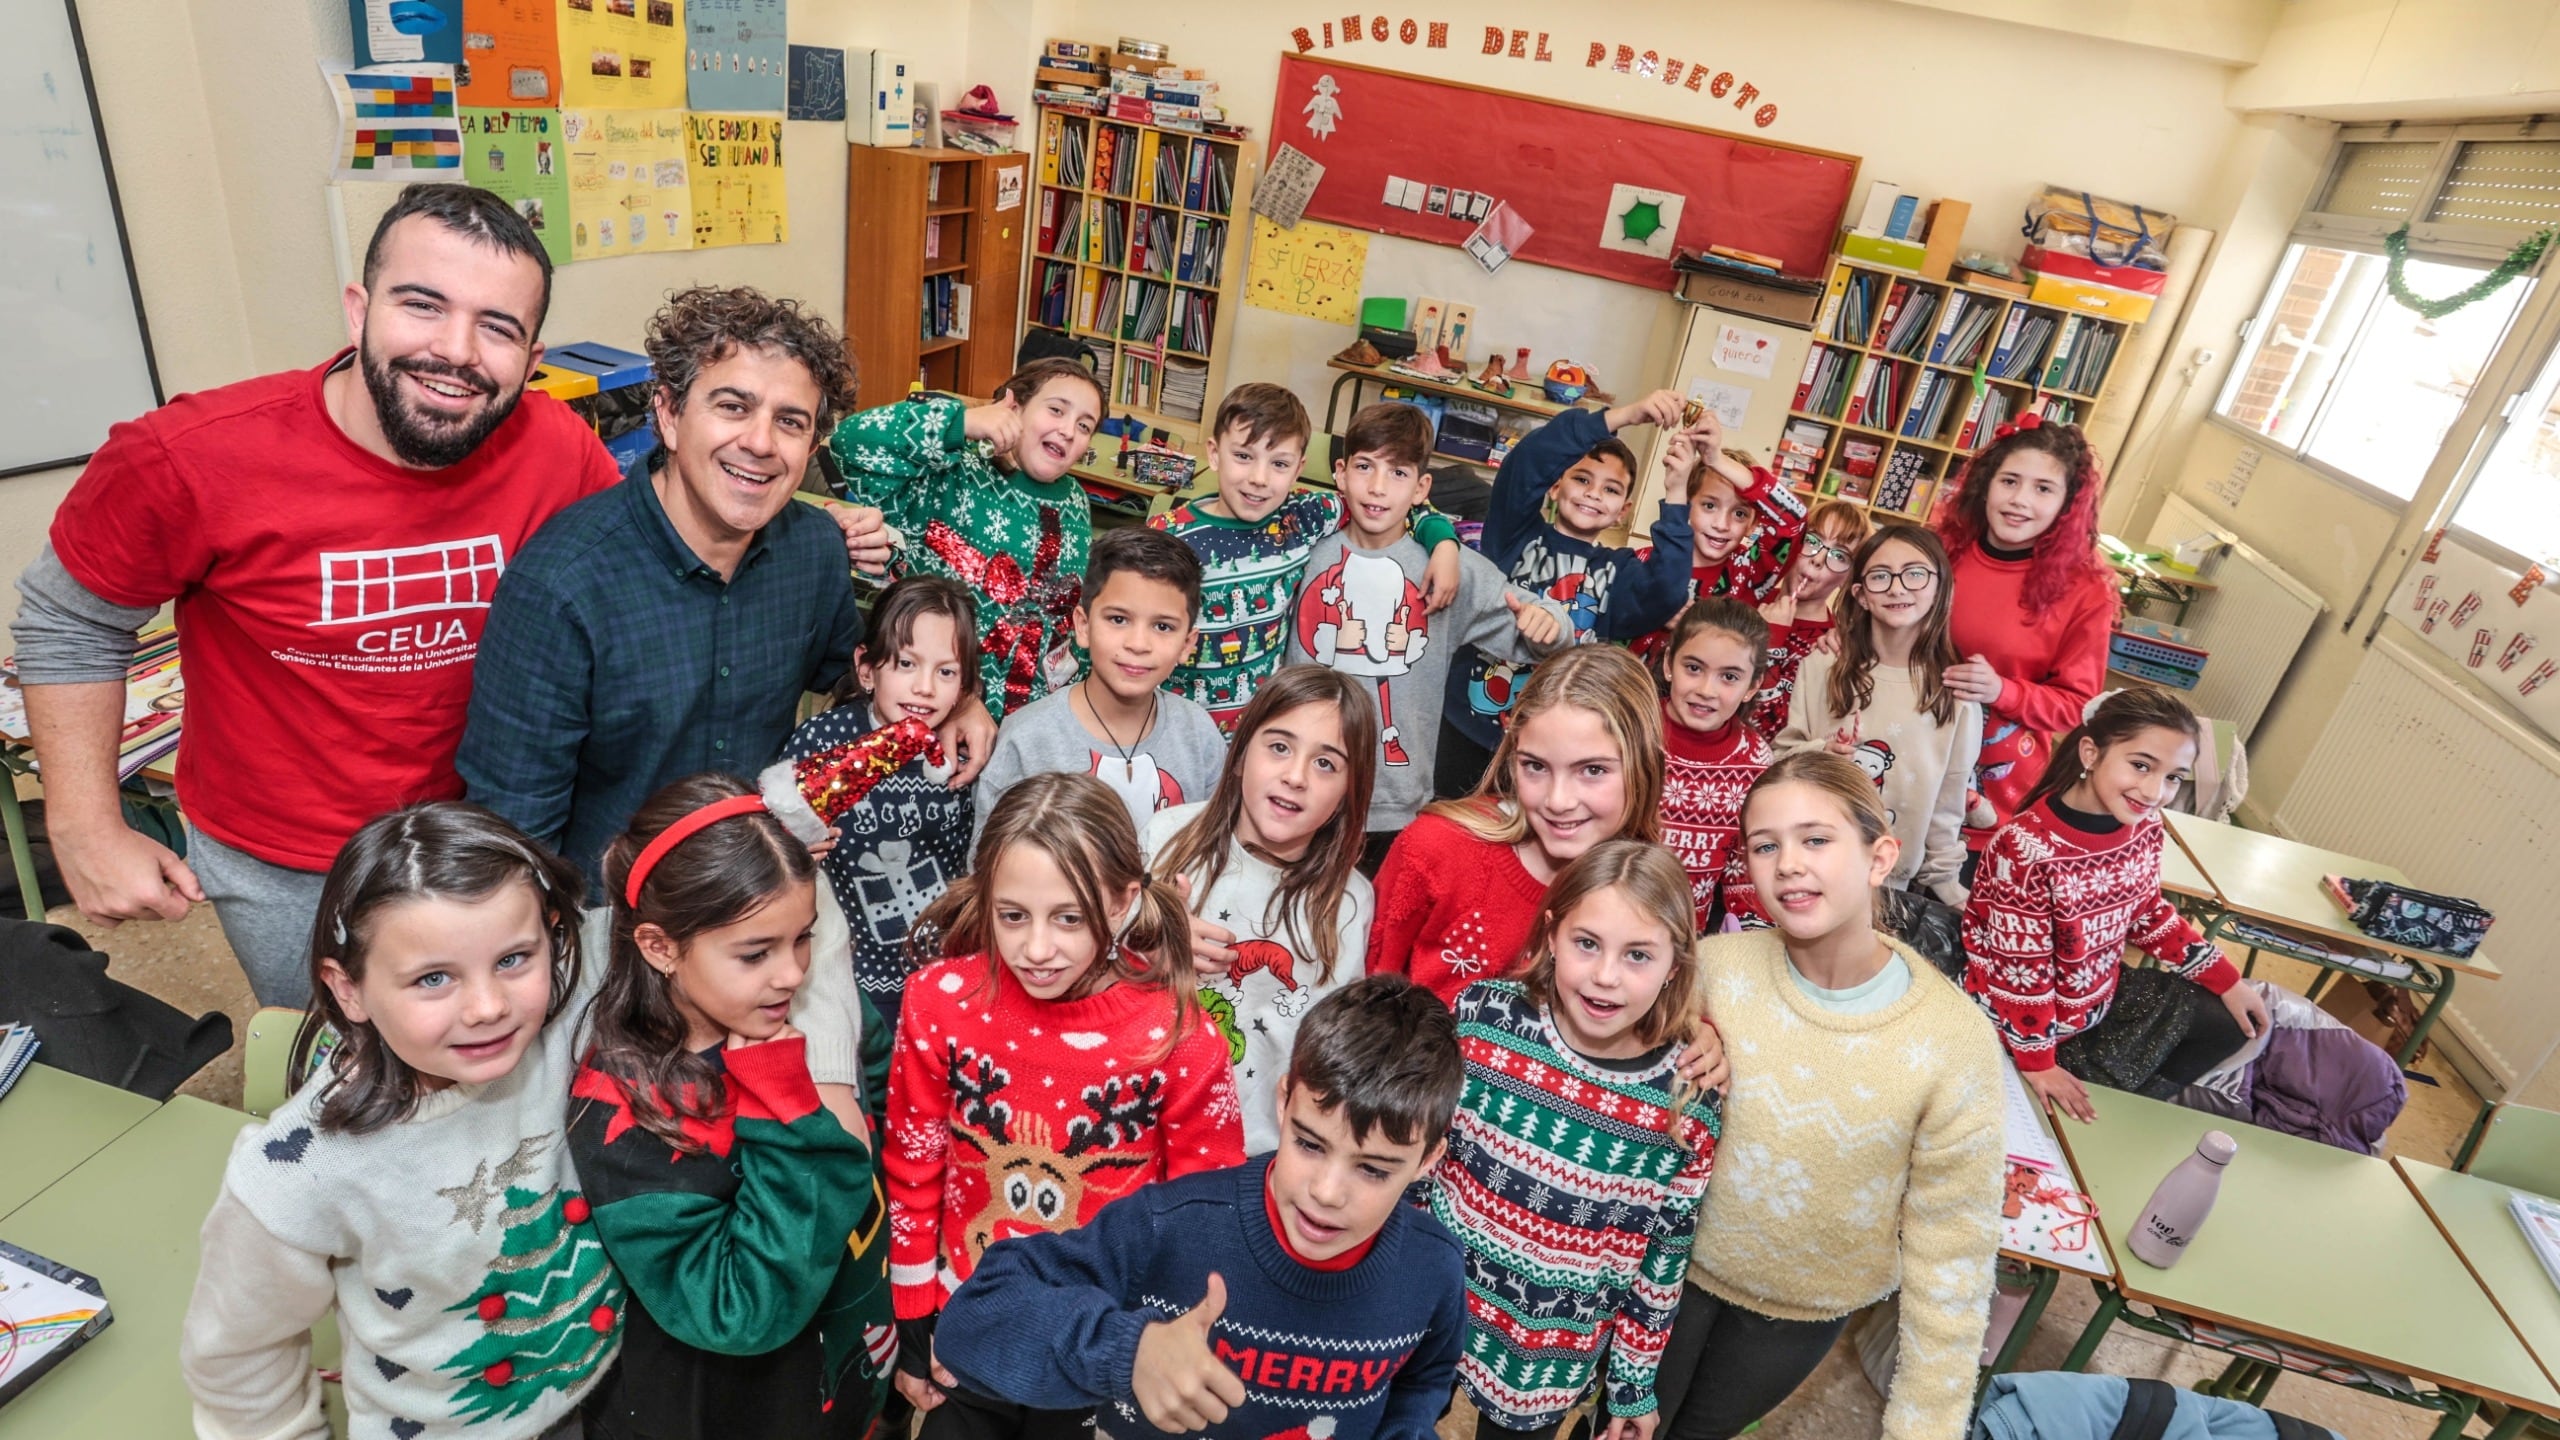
(2408, 59)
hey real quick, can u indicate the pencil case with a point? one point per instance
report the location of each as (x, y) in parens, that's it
(2406, 915)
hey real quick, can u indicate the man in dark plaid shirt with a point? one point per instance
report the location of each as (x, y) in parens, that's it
(670, 625)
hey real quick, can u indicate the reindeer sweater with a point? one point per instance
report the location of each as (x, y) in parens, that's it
(1452, 909)
(1011, 1116)
(1704, 777)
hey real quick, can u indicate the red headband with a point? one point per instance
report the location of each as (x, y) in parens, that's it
(2029, 421)
(681, 831)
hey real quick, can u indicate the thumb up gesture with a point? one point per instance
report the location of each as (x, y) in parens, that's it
(1536, 623)
(1178, 1380)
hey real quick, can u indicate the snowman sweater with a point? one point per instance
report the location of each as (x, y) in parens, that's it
(1705, 776)
(1452, 909)
(1326, 1351)
(1018, 545)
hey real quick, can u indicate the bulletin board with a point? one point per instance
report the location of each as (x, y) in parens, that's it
(1566, 169)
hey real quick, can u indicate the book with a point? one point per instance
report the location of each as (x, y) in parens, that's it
(2537, 1217)
(1904, 470)
(18, 1046)
(46, 1312)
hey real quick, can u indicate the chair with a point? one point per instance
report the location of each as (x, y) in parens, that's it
(2519, 1147)
(266, 1062)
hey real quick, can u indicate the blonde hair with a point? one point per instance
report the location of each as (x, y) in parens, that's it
(1834, 775)
(1611, 684)
(1658, 887)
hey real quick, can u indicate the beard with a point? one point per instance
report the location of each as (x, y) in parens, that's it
(423, 439)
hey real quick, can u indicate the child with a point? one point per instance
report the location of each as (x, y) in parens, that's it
(1608, 592)
(1583, 1047)
(900, 843)
(1883, 701)
(982, 496)
(1743, 517)
(2072, 880)
(1253, 537)
(1279, 911)
(1360, 609)
(723, 1185)
(1861, 1148)
(1799, 615)
(1293, 1295)
(1580, 762)
(1155, 749)
(1710, 660)
(1056, 1061)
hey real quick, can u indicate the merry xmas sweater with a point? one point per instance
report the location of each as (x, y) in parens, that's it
(1577, 1191)
(1011, 1116)
(2052, 662)
(1358, 1353)
(1919, 765)
(1452, 909)
(2058, 896)
(1705, 776)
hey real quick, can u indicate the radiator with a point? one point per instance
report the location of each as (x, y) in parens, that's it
(2251, 624)
(2414, 771)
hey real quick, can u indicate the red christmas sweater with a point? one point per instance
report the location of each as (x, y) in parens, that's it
(1753, 570)
(2052, 663)
(1788, 645)
(1452, 909)
(1010, 1115)
(2058, 897)
(1704, 778)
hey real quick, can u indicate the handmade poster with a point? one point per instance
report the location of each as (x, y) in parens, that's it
(1009, 187)
(1731, 403)
(1499, 236)
(510, 54)
(517, 156)
(1641, 220)
(1745, 351)
(47, 1311)
(736, 162)
(622, 54)
(406, 32)
(733, 55)
(1282, 192)
(1312, 270)
(816, 91)
(396, 122)
(629, 193)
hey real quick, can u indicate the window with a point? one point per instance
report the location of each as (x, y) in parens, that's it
(2514, 502)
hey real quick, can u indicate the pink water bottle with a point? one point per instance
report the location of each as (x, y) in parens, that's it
(2185, 1197)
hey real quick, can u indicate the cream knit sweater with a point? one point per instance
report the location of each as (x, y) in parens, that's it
(1844, 1134)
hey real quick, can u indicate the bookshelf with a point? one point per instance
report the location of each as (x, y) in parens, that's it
(1137, 249)
(1907, 377)
(933, 271)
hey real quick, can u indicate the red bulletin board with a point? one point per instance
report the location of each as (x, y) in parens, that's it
(1555, 164)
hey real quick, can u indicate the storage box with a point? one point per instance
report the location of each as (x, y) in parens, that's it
(2067, 294)
(1946, 231)
(1877, 250)
(1764, 302)
(2067, 266)
(1468, 430)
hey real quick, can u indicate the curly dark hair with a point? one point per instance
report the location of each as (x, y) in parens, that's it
(705, 325)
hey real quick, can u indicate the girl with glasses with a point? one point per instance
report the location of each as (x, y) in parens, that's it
(1799, 615)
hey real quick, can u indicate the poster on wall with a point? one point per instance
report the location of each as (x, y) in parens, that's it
(510, 53)
(2499, 626)
(1310, 270)
(734, 55)
(817, 83)
(629, 191)
(736, 162)
(517, 155)
(625, 54)
(406, 32)
(395, 122)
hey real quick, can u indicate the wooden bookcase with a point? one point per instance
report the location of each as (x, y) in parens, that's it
(920, 223)
(1906, 403)
(1138, 238)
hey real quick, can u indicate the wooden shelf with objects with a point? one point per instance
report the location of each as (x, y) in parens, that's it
(933, 269)
(1907, 377)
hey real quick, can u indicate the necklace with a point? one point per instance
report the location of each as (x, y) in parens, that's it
(1129, 752)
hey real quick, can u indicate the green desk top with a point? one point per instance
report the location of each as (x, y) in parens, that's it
(2270, 878)
(2472, 1213)
(2180, 875)
(2307, 1242)
(50, 1121)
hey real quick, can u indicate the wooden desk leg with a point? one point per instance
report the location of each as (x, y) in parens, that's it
(2427, 1018)
(2016, 1345)
(22, 854)
(2451, 1426)
(2110, 1305)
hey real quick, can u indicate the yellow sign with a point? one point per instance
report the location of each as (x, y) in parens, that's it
(736, 163)
(625, 54)
(1311, 269)
(628, 192)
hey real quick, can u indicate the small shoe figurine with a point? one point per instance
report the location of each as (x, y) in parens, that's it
(1492, 381)
(1433, 364)
(1361, 352)
(1520, 364)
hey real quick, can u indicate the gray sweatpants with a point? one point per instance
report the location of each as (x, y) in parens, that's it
(266, 912)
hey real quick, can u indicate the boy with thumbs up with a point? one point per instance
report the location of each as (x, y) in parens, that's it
(1294, 1297)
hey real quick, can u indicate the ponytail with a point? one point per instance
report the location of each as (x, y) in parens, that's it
(2125, 714)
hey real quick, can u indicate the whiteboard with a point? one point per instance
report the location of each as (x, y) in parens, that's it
(77, 358)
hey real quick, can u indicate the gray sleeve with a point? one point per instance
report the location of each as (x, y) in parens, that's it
(1489, 624)
(66, 634)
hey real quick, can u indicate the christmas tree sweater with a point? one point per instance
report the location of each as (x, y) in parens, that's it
(1576, 1185)
(2058, 896)
(1248, 572)
(1452, 909)
(1010, 1115)
(1018, 545)
(1326, 1350)
(738, 1322)
(1789, 644)
(1705, 775)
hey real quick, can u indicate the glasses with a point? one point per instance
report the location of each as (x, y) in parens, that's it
(1831, 557)
(1914, 578)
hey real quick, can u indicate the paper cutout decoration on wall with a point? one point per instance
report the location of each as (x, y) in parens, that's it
(406, 32)
(1498, 236)
(518, 155)
(2452, 602)
(817, 83)
(1323, 112)
(396, 122)
(1311, 270)
(736, 163)
(622, 54)
(733, 55)
(1642, 220)
(629, 190)
(510, 54)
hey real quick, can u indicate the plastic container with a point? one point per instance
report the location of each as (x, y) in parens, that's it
(2179, 1207)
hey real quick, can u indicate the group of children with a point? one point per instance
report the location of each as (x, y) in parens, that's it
(1274, 1151)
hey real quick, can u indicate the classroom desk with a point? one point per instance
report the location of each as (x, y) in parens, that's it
(2140, 580)
(51, 1121)
(1527, 397)
(2472, 1215)
(2307, 1243)
(2181, 877)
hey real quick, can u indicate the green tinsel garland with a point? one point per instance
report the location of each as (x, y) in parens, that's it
(2518, 261)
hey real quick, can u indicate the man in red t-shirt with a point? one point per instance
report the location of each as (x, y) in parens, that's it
(332, 538)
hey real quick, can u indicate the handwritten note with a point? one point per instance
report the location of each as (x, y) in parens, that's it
(1312, 270)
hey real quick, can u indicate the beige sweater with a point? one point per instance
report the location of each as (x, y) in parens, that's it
(1843, 1135)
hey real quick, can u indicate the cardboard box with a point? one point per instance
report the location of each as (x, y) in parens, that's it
(1985, 280)
(1763, 302)
(1946, 231)
(2088, 299)
(1877, 250)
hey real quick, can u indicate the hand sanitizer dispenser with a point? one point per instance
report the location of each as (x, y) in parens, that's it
(886, 112)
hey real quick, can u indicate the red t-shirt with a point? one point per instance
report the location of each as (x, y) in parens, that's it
(329, 602)
(2052, 664)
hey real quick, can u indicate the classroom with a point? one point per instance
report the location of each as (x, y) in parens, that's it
(816, 718)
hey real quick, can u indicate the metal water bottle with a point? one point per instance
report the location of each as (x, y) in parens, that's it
(2185, 1197)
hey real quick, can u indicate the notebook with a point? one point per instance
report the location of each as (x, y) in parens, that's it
(46, 1312)
(2540, 1220)
(18, 1044)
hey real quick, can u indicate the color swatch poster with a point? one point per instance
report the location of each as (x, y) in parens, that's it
(628, 191)
(736, 161)
(510, 53)
(519, 156)
(734, 55)
(1311, 269)
(396, 122)
(622, 54)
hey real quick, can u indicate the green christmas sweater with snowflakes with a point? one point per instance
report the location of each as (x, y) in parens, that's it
(1019, 545)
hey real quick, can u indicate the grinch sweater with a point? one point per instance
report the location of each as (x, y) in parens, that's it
(2058, 896)
(1859, 1153)
(1921, 766)
(1575, 1183)
(1258, 1003)
(1018, 545)
(1705, 776)
(1326, 1351)
(1010, 1115)
(2052, 662)
(1452, 909)
(1248, 572)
